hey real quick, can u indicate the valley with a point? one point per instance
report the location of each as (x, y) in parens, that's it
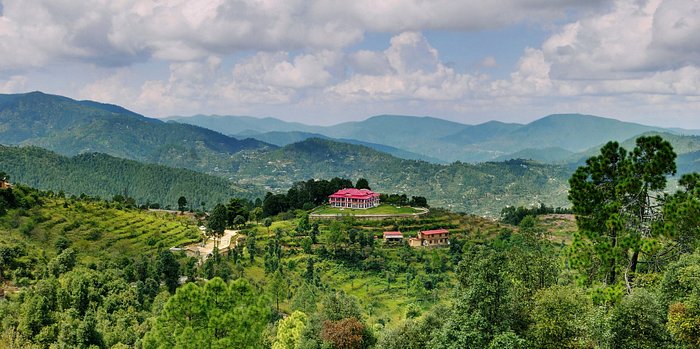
(120, 236)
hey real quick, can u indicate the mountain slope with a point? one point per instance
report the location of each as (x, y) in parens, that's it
(103, 175)
(551, 155)
(73, 127)
(234, 125)
(689, 162)
(572, 132)
(482, 188)
(285, 138)
(481, 133)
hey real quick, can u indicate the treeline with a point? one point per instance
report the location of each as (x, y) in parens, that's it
(305, 195)
(100, 175)
(513, 216)
(403, 200)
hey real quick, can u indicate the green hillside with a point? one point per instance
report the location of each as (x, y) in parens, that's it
(285, 138)
(573, 132)
(235, 125)
(482, 188)
(72, 127)
(104, 176)
(96, 229)
(551, 155)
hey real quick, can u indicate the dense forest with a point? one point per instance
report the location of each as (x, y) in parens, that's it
(82, 272)
(105, 176)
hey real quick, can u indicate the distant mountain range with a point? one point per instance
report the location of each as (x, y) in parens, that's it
(398, 154)
(554, 138)
(73, 127)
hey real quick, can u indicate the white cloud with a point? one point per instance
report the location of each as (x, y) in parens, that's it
(625, 55)
(631, 40)
(118, 33)
(418, 15)
(111, 89)
(410, 69)
(489, 62)
(14, 84)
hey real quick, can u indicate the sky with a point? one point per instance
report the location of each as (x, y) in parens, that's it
(328, 61)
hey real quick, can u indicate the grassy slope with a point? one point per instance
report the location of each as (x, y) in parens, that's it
(382, 301)
(95, 230)
(99, 232)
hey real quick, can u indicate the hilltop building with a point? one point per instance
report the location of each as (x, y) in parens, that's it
(5, 184)
(354, 198)
(438, 237)
(393, 236)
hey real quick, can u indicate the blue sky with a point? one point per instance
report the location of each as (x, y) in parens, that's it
(329, 61)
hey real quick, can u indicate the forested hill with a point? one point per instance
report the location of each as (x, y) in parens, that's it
(72, 127)
(477, 188)
(103, 175)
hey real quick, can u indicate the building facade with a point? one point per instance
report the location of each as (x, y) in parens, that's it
(428, 238)
(354, 198)
(393, 236)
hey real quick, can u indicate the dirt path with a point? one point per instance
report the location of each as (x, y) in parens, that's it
(208, 248)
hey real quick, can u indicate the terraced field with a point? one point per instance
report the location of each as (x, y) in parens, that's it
(96, 229)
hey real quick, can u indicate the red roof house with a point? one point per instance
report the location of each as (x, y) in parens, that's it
(392, 236)
(354, 198)
(437, 237)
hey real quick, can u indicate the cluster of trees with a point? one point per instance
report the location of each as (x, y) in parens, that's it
(18, 196)
(513, 216)
(403, 200)
(102, 306)
(312, 193)
(514, 293)
(307, 195)
(619, 201)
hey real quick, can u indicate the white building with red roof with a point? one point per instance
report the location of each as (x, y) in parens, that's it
(354, 198)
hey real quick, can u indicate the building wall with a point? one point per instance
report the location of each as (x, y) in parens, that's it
(354, 203)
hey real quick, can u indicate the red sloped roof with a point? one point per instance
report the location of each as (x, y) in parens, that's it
(392, 234)
(436, 231)
(354, 193)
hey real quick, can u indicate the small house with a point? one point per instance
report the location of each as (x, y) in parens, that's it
(427, 238)
(393, 236)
